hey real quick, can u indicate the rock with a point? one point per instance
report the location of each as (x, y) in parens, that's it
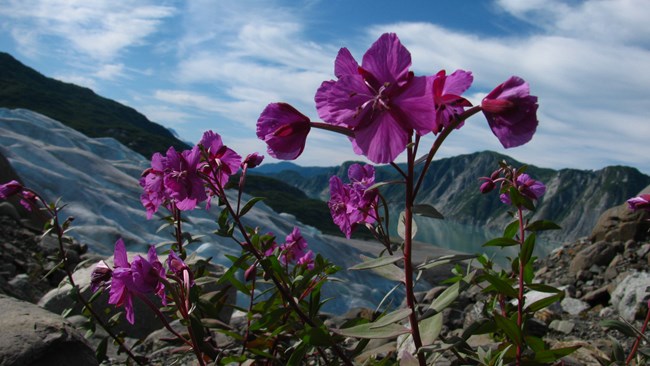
(621, 223)
(59, 299)
(600, 253)
(630, 296)
(562, 326)
(574, 306)
(599, 296)
(37, 337)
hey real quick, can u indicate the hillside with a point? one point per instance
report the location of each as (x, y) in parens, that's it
(574, 198)
(80, 108)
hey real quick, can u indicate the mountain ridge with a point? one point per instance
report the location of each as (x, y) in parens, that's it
(80, 108)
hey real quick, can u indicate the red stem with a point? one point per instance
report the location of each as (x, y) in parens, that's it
(520, 295)
(635, 347)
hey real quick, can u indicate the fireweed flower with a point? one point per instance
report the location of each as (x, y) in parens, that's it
(351, 204)
(252, 160)
(307, 260)
(178, 267)
(152, 183)
(381, 100)
(528, 187)
(182, 181)
(142, 276)
(284, 130)
(100, 276)
(293, 248)
(9, 189)
(447, 90)
(226, 160)
(511, 112)
(640, 202)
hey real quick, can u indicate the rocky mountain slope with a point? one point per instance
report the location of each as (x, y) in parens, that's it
(574, 198)
(80, 108)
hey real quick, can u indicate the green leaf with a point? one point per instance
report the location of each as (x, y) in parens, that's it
(620, 326)
(317, 337)
(542, 225)
(430, 329)
(527, 249)
(102, 347)
(543, 288)
(401, 226)
(214, 323)
(427, 211)
(511, 230)
(298, 354)
(552, 355)
(509, 327)
(389, 271)
(542, 303)
(367, 331)
(502, 286)
(519, 200)
(390, 318)
(501, 242)
(376, 262)
(451, 293)
(249, 205)
(445, 259)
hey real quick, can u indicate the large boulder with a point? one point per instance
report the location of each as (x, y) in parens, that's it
(622, 224)
(630, 297)
(34, 336)
(60, 299)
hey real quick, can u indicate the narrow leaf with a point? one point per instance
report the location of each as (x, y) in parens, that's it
(366, 331)
(390, 318)
(427, 211)
(375, 262)
(545, 302)
(509, 327)
(430, 329)
(501, 242)
(401, 227)
(445, 259)
(249, 205)
(501, 285)
(620, 326)
(511, 230)
(527, 249)
(542, 225)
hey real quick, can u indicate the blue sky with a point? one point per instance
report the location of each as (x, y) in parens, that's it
(199, 64)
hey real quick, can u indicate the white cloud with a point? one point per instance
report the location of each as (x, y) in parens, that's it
(99, 29)
(110, 71)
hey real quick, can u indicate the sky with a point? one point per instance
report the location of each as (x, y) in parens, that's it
(214, 65)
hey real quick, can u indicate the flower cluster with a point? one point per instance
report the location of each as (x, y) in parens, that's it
(293, 250)
(353, 204)
(178, 177)
(12, 188)
(380, 104)
(522, 184)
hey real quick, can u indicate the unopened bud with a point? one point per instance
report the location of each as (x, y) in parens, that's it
(487, 186)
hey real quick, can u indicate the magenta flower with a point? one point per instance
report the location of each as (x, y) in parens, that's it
(284, 130)
(528, 187)
(9, 189)
(182, 181)
(178, 267)
(487, 186)
(352, 204)
(252, 160)
(307, 260)
(381, 100)
(225, 160)
(640, 202)
(511, 112)
(447, 98)
(293, 248)
(100, 276)
(140, 277)
(152, 182)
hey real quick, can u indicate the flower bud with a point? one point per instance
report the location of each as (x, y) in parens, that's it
(100, 276)
(250, 273)
(487, 186)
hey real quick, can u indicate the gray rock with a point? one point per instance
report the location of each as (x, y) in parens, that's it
(37, 337)
(562, 326)
(598, 296)
(59, 299)
(630, 295)
(600, 253)
(22, 288)
(573, 306)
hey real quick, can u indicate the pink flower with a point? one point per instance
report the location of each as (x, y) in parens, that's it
(284, 130)
(152, 183)
(307, 260)
(182, 181)
(511, 112)
(100, 276)
(381, 100)
(226, 160)
(352, 204)
(293, 247)
(528, 187)
(640, 202)
(252, 160)
(447, 98)
(9, 189)
(140, 277)
(178, 267)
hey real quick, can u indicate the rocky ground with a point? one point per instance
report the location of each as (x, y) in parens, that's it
(604, 276)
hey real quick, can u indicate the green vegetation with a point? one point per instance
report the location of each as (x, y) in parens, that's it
(80, 108)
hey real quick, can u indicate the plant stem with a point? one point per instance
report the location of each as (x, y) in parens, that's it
(408, 266)
(635, 347)
(520, 295)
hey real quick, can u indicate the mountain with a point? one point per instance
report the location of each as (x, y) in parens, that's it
(574, 198)
(80, 108)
